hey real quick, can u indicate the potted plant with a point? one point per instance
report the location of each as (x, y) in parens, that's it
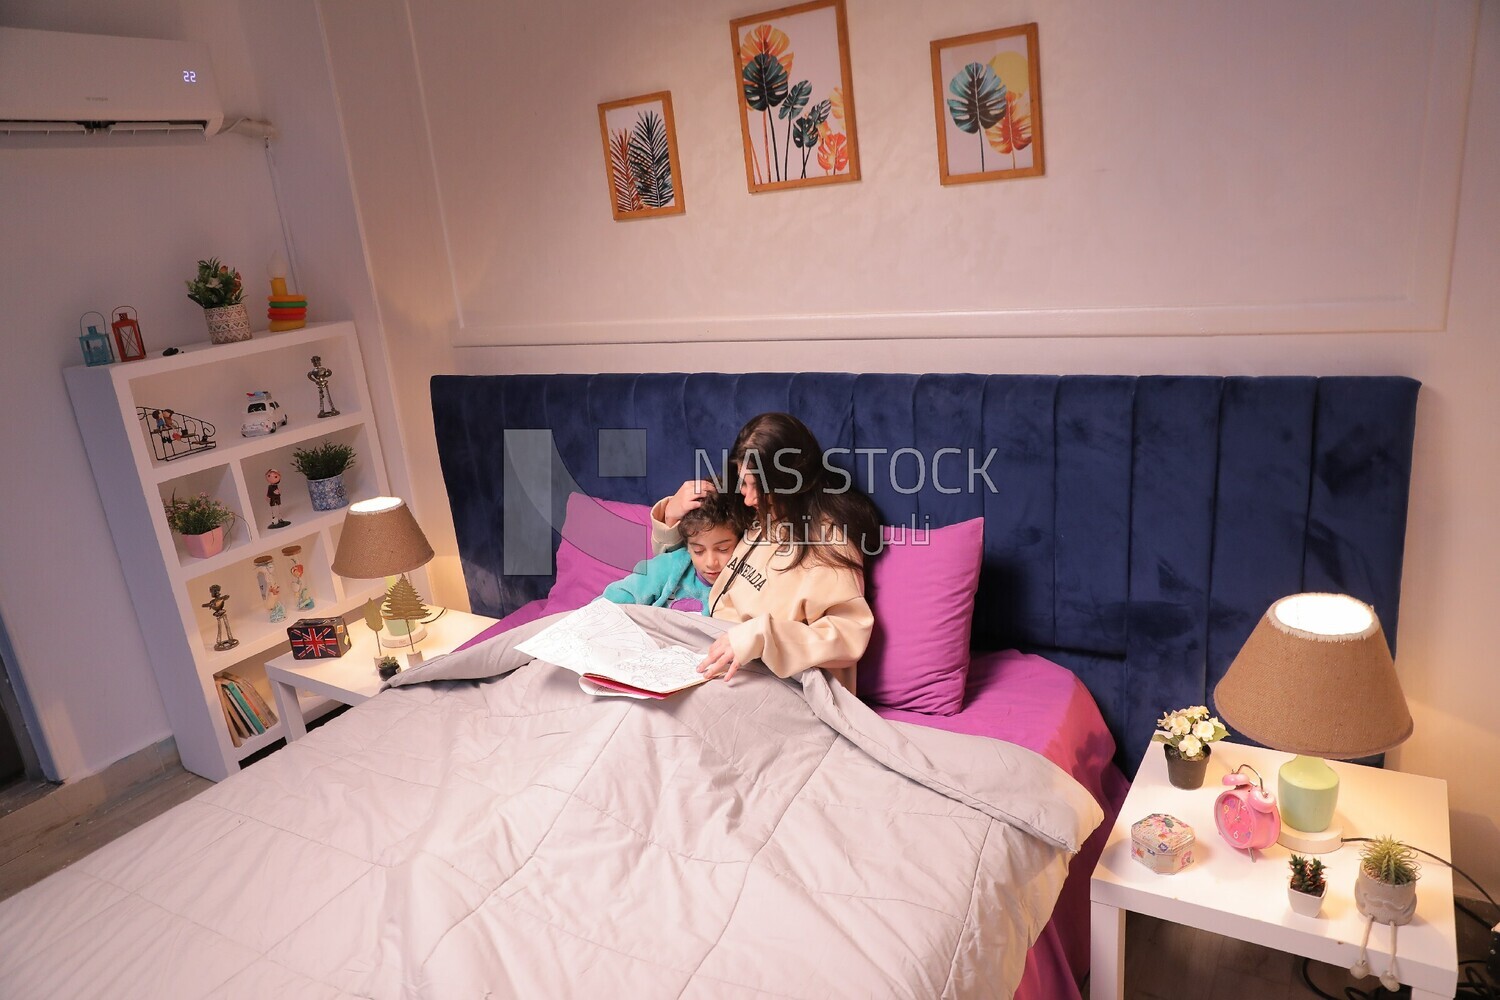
(201, 521)
(1386, 889)
(1187, 733)
(221, 293)
(324, 465)
(1308, 883)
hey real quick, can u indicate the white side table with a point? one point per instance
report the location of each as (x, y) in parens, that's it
(1224, 892)
(352, 678)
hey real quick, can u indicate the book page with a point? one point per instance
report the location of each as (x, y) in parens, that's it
(599, 638)
(592, 640)
(667, 669)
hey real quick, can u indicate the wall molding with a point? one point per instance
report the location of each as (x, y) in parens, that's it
(1418, 300)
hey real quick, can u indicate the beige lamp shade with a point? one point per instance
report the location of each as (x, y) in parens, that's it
(1316, 678)
(380, 538)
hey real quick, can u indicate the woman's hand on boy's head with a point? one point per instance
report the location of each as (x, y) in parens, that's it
(720, 660)
(689, 496)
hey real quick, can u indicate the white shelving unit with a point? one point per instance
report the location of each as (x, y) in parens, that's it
(168, 586)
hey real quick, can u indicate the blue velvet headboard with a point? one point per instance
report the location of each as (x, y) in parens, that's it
(1139, 528)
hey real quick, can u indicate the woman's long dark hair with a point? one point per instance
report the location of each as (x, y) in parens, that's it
(784, 458)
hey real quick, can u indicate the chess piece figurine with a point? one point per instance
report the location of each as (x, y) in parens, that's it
(273, 498)
(223, 634)
(319, 377)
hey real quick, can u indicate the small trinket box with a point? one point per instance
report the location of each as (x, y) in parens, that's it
(318, 638)
(1162, 843)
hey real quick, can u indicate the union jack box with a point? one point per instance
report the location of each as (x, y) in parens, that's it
(318, 638)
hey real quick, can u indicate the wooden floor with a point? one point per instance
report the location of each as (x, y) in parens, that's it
(31, 852)
(1164, 961)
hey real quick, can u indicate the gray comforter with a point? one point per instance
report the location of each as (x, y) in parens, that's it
(763, 837)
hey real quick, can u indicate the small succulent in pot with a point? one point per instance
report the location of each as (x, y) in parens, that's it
(387, 667)
(1386, 889)
(1309, 875)
(1387, 860)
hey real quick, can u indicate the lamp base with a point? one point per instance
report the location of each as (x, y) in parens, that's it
(394, 633)
(1302, 842)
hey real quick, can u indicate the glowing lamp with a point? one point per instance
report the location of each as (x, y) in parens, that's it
(1315, 679)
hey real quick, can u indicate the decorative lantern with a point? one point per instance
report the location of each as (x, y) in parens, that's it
(95, 345)
(128, 343)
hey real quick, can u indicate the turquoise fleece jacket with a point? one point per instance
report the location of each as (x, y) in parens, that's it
(660, 582)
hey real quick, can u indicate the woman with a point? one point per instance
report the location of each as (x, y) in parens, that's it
(795, 584)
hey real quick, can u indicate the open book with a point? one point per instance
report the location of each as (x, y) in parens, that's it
(614, 656)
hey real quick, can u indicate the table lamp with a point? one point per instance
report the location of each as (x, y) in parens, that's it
(1315, 679)
(382, 539)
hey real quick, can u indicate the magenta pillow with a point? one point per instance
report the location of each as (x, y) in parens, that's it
(602, 540)
(923, 599)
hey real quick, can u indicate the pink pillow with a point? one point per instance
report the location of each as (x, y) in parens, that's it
(602, 540)
(923, 599)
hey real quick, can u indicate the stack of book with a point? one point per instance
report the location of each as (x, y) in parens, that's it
(245, 710)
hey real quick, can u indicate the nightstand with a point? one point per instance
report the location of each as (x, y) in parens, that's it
(352, 678)
(1226, 893)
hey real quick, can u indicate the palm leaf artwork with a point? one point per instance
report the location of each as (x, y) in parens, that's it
(622, 179)
(978, 102)
(808, 132)
(765, 88)
(796, 100)
(1012, 133)
(651, 160)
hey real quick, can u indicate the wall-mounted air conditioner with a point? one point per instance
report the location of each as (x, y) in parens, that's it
(59, 82)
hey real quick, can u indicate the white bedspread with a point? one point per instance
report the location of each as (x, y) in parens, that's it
(518, 838)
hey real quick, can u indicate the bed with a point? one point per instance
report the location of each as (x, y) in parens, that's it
(1143, 525)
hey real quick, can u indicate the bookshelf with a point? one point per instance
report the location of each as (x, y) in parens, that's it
(167, 584)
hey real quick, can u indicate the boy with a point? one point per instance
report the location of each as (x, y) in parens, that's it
(682, 577)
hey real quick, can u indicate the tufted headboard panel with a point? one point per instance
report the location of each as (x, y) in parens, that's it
(1135, 527)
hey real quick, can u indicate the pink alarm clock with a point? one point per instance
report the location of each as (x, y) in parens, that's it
(1246, 813)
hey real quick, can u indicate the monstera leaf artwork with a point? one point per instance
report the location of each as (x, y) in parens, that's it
(987, 100)
(978, 102)
(787, 118)
(1012, 133)
(640, 155)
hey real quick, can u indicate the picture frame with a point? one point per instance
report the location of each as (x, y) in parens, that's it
(795, 96)
(988, 129)
(641, 165)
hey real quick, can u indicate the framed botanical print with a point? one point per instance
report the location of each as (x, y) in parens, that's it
(987, 97)
(640, 157)
(796, 96)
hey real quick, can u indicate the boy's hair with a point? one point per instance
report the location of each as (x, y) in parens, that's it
(716, 509)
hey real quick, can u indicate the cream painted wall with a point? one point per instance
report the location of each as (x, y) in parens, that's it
(1230, 171)
(89, 228)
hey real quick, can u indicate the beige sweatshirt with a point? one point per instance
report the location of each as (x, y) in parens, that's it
(790, 617)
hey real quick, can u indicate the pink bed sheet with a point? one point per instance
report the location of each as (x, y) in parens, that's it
(1030, 701)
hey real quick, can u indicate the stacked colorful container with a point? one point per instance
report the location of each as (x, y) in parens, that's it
(288, 311)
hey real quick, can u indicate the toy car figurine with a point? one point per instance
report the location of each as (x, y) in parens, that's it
(262, 415)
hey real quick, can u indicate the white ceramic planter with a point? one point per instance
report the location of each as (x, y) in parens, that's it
(1304, 903)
